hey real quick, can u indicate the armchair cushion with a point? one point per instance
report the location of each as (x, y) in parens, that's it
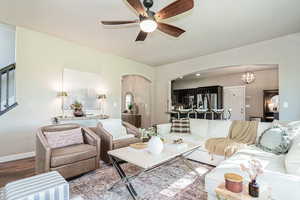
(58, 139)
(72, 154)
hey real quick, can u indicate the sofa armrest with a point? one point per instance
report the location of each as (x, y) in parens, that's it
(106, 141)
(163, 129)
(132, 129)
(42, 154)
(93, 139)
(120, 143)
(90, 137)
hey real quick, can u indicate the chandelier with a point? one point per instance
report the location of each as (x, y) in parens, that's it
(248, 77)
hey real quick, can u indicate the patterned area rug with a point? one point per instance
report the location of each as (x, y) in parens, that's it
(174, 181)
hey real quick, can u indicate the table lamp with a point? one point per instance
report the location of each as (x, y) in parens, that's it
(62, 95)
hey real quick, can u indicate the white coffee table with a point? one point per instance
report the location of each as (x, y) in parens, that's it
(147, 161)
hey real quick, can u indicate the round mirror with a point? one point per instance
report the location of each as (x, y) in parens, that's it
(274, 103)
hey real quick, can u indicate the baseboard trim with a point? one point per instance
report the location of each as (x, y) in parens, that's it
(16, 157)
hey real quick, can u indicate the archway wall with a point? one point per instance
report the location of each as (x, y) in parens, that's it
(140, 87)
(283, 51)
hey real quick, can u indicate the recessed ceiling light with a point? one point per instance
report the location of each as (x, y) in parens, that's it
(198, 74)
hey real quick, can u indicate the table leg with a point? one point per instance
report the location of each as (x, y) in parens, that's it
(124, 178)
(189, 165)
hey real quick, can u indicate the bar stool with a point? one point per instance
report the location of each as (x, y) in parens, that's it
(201, 111)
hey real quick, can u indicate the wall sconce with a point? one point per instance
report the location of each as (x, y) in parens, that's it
(101, 98)
(62, 95)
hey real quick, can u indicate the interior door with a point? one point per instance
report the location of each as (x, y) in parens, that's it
(234, 100)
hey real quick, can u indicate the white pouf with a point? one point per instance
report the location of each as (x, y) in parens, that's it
(48, 186)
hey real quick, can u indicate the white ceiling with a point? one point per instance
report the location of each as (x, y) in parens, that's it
(224, 71)
(212, 26)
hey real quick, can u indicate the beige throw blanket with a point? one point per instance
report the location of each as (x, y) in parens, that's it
(241, 134)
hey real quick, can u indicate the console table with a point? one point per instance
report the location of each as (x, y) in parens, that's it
(134, 119)
(88, 119)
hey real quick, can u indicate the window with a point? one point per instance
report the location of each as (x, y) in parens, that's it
(7, 68)
(7, 88)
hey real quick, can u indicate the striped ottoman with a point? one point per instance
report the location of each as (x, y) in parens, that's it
(48, 186)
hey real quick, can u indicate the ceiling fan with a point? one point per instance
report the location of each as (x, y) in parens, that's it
(149, 21)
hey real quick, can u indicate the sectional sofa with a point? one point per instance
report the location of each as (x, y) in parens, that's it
(283, 185)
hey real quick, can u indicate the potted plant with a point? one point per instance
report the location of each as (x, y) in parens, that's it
(253, 169)
(130, 106)
(77, 109)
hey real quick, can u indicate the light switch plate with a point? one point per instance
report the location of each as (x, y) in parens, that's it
(285, 104)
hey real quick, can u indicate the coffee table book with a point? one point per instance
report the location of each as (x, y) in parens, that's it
(223, 194)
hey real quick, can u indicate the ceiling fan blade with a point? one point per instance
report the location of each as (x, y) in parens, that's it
(119, 22)
(141, 36)
(137, 5)
(170, 30)
(175, 8)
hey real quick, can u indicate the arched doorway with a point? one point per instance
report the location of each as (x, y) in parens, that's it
(136, 89)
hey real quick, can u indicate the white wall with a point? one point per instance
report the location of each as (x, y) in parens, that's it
(7, 45)
(40, 62)
(283, 51)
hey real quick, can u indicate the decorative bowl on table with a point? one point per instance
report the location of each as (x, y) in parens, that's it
(178, 141)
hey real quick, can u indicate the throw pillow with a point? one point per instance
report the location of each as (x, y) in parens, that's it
(180, 126)
(292, 127)
(292, 159)
(64, 138)
(274, 140)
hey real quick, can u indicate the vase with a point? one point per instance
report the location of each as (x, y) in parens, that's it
(155, 145)
(253, 188)
(78, 113)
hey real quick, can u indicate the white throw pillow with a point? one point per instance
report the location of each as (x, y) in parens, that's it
(218, 128)
(274, 140)
(292, 127)
(262, 126)
(164, 129)
(199, 127)
(292, 159)
(64, 138)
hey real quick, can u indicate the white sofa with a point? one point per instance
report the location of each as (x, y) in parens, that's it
(284, 186)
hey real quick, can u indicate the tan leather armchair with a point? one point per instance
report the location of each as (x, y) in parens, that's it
(108, 143)
(71, 160)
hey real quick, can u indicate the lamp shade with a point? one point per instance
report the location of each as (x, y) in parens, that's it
(62, 94)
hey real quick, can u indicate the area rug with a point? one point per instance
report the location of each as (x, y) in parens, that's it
(174, 181)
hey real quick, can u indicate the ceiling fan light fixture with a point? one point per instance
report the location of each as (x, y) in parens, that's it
(148, 25)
